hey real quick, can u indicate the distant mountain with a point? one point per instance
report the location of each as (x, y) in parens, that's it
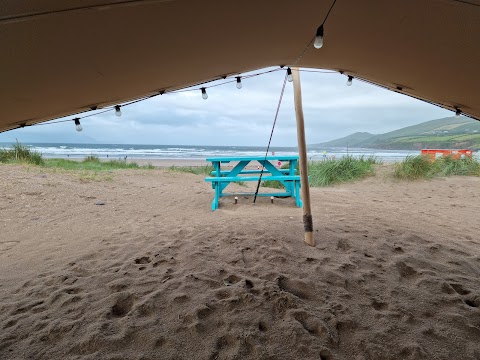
(352, 140)
(441, 133)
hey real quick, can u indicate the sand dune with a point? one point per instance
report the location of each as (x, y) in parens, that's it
(154, 274)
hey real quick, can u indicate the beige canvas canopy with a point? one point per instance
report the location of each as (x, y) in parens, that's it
(63, 57)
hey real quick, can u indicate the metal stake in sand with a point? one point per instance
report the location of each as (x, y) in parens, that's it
(302, 152)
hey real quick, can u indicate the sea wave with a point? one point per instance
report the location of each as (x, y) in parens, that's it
(200, 152)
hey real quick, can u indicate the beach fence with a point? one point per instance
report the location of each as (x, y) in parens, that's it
(455, 154)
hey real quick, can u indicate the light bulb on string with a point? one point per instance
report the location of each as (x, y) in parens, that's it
(289, 75)
(458, 112)
(78, 126)
(118, 112)
(318, 43)
(239, 82)
(349, 81)
(204, 93)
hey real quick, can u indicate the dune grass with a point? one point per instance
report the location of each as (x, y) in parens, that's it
(197, 170)
(421, 167)
(93, 163)
(413, 168)
(20, 154)
(335, 171)
(466, 166)
(275, 184)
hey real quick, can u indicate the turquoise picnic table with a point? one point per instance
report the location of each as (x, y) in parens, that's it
(221, 178)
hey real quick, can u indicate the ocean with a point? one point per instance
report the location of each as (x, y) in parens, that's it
(195, 152)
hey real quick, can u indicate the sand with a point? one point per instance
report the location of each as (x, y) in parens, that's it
(154, 274)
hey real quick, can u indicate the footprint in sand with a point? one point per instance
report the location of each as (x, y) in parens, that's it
(313, 325)
(379, 305)
(231, 280)
(262, 326)
(203, 312)
(472, 301)
(226, 346)
(398, 249)
(7, 245)
(295, 287)
(343, 245)
(122, 306)
(459, 289)
(405, 271)
(223, 294)
(326, 354)
(142, 260)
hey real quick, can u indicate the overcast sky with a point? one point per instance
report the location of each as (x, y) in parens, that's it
(244, 117)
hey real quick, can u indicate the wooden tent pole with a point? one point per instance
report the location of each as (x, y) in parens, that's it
(302, 152)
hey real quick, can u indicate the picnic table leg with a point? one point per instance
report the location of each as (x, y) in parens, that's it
(216, 164)
(298, 198)
(217, 196)
(292, 164)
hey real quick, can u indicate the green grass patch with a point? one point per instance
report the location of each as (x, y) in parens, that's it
(466, 166)
(94, 164)
(197, 170)
(437, 138)
(334, 171)
(275, 184)
(19, 153)
(421, 167)
(87, 176)
(414, 168)
(345, 169)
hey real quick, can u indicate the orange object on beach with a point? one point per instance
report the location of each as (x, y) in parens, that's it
(455, 154)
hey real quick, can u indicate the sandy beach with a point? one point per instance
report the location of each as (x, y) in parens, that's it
(153, 273)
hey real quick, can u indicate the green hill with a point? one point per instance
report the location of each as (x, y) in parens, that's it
(441, 133)
(352, 140)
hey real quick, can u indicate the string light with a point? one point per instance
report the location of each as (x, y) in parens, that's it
(78, 126)
(118, 112)
(148, 97)
(319, 38)
(289, 75)
(204, 93)
(239, 82)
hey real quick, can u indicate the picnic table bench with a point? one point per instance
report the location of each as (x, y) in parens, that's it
(222, 178)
